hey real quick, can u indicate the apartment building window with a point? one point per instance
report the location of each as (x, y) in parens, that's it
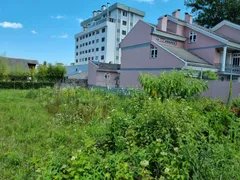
(103, 39)
(97, 40)
(103, 30)
(93, 41)
(96, 57)
(89, 58)
(117, 57)
(83, 44)
(131, 14)
(85, 51)
(86, 43)
(93, 33)
(125, 13)
(124, 32)
(153, 52)
(89, 50)
(92, 50)
(102, 57)
(77, 40)
(81, 38)
(80, 45)
(103, 48)
(92, 58)
(87, 36)
(76, 53)
(89, 42)
(85, 59)
(90, 34)
(124, 23)
(76, 47)
(97, 31)
(97, 49)
(80, 52)
(76, 60)
(192, 37)
(82, 59)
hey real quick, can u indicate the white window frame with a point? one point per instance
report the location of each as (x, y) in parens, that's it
(106, 75)
(191, 37)
(153, 52)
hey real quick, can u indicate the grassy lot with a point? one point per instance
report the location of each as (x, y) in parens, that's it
(30, 135)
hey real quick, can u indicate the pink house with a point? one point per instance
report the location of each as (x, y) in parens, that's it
(103, 74)
(179, 44)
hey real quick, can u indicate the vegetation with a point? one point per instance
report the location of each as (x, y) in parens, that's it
(209, 13)
(93, 134)
(208, 75)
(24, 85)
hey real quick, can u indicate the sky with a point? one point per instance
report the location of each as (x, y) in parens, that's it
(44, 30)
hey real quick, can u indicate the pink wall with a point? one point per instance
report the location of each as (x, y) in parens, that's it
(202, 40)
(140, 34)
(92, 73)
(101, 81)
(175, 28)
(220, 89)
(211, 55)
(229, 32)
(140, 58)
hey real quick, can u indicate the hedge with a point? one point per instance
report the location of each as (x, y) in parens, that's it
(25, 85)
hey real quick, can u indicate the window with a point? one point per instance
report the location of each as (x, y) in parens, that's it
(96, 57)
(131, 14)
(89, 58)
(76, 53)
(89, 50)
(76, 60)
(124, 23)
(97, 40)
(81, 38)
(125, 13)
(97, 49)
(92, 58)
(80, 45)
(92, 50)
(102, 57)
(76, 47)
(76, 69)
(80, 52)
(106, 76)
(93, 33)
(192, 37)
(103, 48)
(97, 31)
(103, 30)
(117, 57)
(86, 43)
(86, 51)
(90, 34)
(124, 32)
(77, 40)
(85, 59)
(93, 41)
(89, 42)
(103, 39)
(83, 44)
(153, 52)
(87, 36)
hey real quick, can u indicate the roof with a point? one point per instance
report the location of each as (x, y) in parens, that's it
(226, 22)
(83, 75)
(111, 8)
(186, 56)
(108, 67)
(20, 63)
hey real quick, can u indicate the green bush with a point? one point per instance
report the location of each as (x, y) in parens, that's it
(208, 75)
(24, 85)
(236, 103)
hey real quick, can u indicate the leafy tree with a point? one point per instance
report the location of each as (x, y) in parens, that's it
(208, 13)
(4, 68)
(42, 73)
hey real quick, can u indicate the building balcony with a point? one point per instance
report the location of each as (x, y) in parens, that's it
(235, 69)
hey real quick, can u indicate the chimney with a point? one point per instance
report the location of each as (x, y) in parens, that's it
(162, 23)
(188, 18)
(176, 13)
(103, 7)
(94, 13)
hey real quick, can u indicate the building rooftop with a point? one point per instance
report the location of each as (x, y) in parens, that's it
(114, 6)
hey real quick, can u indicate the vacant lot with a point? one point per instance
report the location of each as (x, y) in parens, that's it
(83, 134)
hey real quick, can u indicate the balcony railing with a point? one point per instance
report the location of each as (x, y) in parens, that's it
(95, 23)
(229, 68)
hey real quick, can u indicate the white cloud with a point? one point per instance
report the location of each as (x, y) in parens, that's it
(34, 32)
(79, 20)
(64, 36)
(10, 25)
(146, 1)
(58, 17)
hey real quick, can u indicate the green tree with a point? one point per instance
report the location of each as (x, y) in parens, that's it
(208, 13)
(4, 68)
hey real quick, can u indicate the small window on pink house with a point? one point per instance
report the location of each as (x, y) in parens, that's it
(153, 52)
(192, 37)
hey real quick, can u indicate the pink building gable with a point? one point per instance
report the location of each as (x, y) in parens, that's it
(229, 32)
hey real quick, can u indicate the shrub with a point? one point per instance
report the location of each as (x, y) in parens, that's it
(208, 75)
(24, 85)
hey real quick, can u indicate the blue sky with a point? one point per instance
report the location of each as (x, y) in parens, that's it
(44, 29)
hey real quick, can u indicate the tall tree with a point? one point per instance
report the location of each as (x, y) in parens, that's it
(208, 13)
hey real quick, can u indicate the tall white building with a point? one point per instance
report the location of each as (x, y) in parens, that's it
(102, 34)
